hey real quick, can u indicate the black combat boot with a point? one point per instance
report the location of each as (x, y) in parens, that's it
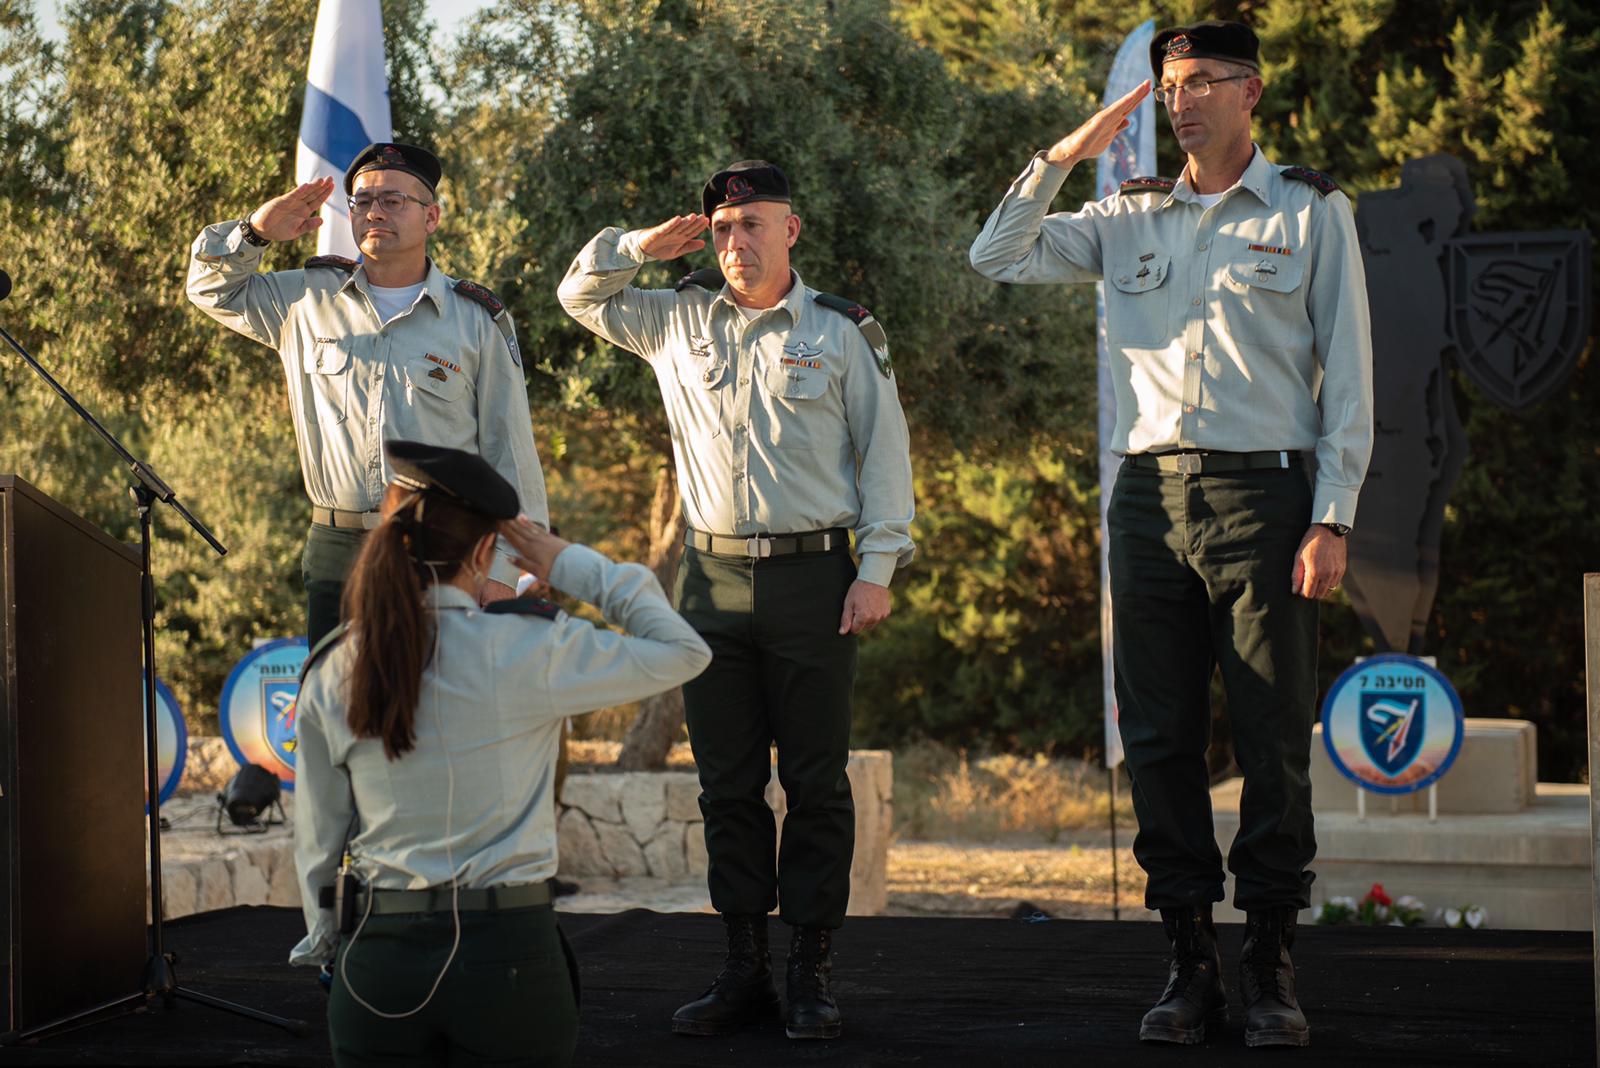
(812, 1010)
(1272, 1016)
(1194, 996)
(743, 991)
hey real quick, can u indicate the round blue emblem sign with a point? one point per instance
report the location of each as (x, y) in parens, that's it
(172, 744)
(257, 713)
(1392, 724)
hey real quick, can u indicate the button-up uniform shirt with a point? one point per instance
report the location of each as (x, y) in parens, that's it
(441, 373)
(474, 798)
(1242, 327)
(781, 424)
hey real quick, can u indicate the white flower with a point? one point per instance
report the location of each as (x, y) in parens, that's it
(1380, 911)
(1475, 917)
(1452, 917)
(1396, 922)
(1408, 902)
(1342, 902)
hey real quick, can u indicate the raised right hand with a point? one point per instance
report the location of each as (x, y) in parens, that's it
(678, 236)
(294, 214)
(1096, 135)
(536, 548)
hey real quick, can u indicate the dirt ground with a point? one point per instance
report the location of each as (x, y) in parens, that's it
(1001, 878)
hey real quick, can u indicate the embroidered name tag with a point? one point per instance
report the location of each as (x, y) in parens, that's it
(442, 362)
(1276, 250)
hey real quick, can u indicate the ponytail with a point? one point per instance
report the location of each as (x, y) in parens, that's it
(429, 539)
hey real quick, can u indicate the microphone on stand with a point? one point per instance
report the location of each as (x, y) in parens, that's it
(5, 285)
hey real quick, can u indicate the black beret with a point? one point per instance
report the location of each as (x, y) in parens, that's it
(745, 182)
(385, 156)
(464, 477)
(1231, 41)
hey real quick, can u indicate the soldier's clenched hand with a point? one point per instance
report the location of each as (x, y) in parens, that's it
(294, 214)
(678, 236)
(1096, 135)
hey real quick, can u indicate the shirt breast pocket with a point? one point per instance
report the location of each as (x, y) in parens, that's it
(326, 365)
(1137, 310)
(1268, 291)
(699, 372)
(795, 382)
(439, 383)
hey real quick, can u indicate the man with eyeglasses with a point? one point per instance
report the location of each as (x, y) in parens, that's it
(385, 348)
(1241, 355)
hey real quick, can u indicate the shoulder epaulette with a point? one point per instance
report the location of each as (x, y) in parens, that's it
(1315, 179)
(871, 329)
(708, 278)
(1147, 185)
(524, 606)
(480, 295)
(338, 263)
(328, 641)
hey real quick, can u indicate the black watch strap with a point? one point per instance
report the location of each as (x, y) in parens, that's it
(1339, 529)
(248, 232)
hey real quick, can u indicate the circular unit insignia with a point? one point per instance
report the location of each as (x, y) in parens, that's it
(257, 711)
(1392, 724)
(172, 744)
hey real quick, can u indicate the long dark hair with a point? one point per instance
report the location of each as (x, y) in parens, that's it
(382, 601)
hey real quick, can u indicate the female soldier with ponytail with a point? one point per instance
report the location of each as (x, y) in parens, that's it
(427, 737)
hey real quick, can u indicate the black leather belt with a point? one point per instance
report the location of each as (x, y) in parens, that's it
(1204, 463)
(337, 517)
(437, 899)
(764, 545)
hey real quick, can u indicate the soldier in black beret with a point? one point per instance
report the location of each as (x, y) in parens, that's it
(1240, 351)
(385, 347)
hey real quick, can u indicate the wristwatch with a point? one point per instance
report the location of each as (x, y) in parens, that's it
(1339, 529)
(248, 232)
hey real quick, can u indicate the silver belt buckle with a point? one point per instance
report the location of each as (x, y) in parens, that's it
(758, 547)
(371, 520)
(1189, 463)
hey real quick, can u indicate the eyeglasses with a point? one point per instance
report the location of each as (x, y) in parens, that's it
(1196, 88)
(391, 203)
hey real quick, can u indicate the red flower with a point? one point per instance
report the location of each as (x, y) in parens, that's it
(1377, 896)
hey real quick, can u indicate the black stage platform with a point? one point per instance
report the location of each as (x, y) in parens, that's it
(932, 991)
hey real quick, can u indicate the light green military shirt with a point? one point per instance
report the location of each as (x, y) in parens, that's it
(473, 799)
(1239, 328)
(785, 423)
(441, 373)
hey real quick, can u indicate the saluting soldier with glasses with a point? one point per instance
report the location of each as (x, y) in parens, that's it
(1241, 355)
(387, 347)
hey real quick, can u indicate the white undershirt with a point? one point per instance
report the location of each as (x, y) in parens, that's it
(1210, 200)
(393, 302)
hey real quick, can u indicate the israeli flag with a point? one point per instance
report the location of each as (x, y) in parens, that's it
(347, 107)
(1131, 155)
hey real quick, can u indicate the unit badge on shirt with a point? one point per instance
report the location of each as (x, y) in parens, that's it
(699, 346)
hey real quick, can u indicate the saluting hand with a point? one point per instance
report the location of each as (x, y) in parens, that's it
(536, 548)
(1319, 564)
(678, 236)
(294, 214)
(1096, 135)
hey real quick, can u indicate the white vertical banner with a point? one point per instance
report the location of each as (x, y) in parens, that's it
(1131, 155)
(346, 109)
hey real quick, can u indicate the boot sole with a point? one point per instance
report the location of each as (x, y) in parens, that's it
(1277, 1038)
(1184, 1036)
(702, 1028)
(816, 1031)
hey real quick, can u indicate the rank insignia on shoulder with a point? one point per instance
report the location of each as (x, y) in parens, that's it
(871, 329)
(707, 278)
(524, 606)
(1147, 185)
(480, 295)
(1315, 179)
(338, 263)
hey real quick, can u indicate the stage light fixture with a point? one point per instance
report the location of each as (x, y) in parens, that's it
(248, 800)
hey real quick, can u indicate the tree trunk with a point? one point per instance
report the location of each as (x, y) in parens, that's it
(653, 731)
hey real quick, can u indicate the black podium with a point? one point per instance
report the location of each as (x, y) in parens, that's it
(72, 860)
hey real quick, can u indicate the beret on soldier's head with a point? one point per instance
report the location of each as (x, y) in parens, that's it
(1233, 42)
(465, 478)
(387, 156)
(745, 182)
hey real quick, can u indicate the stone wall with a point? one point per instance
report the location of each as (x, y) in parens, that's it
(648, 823)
